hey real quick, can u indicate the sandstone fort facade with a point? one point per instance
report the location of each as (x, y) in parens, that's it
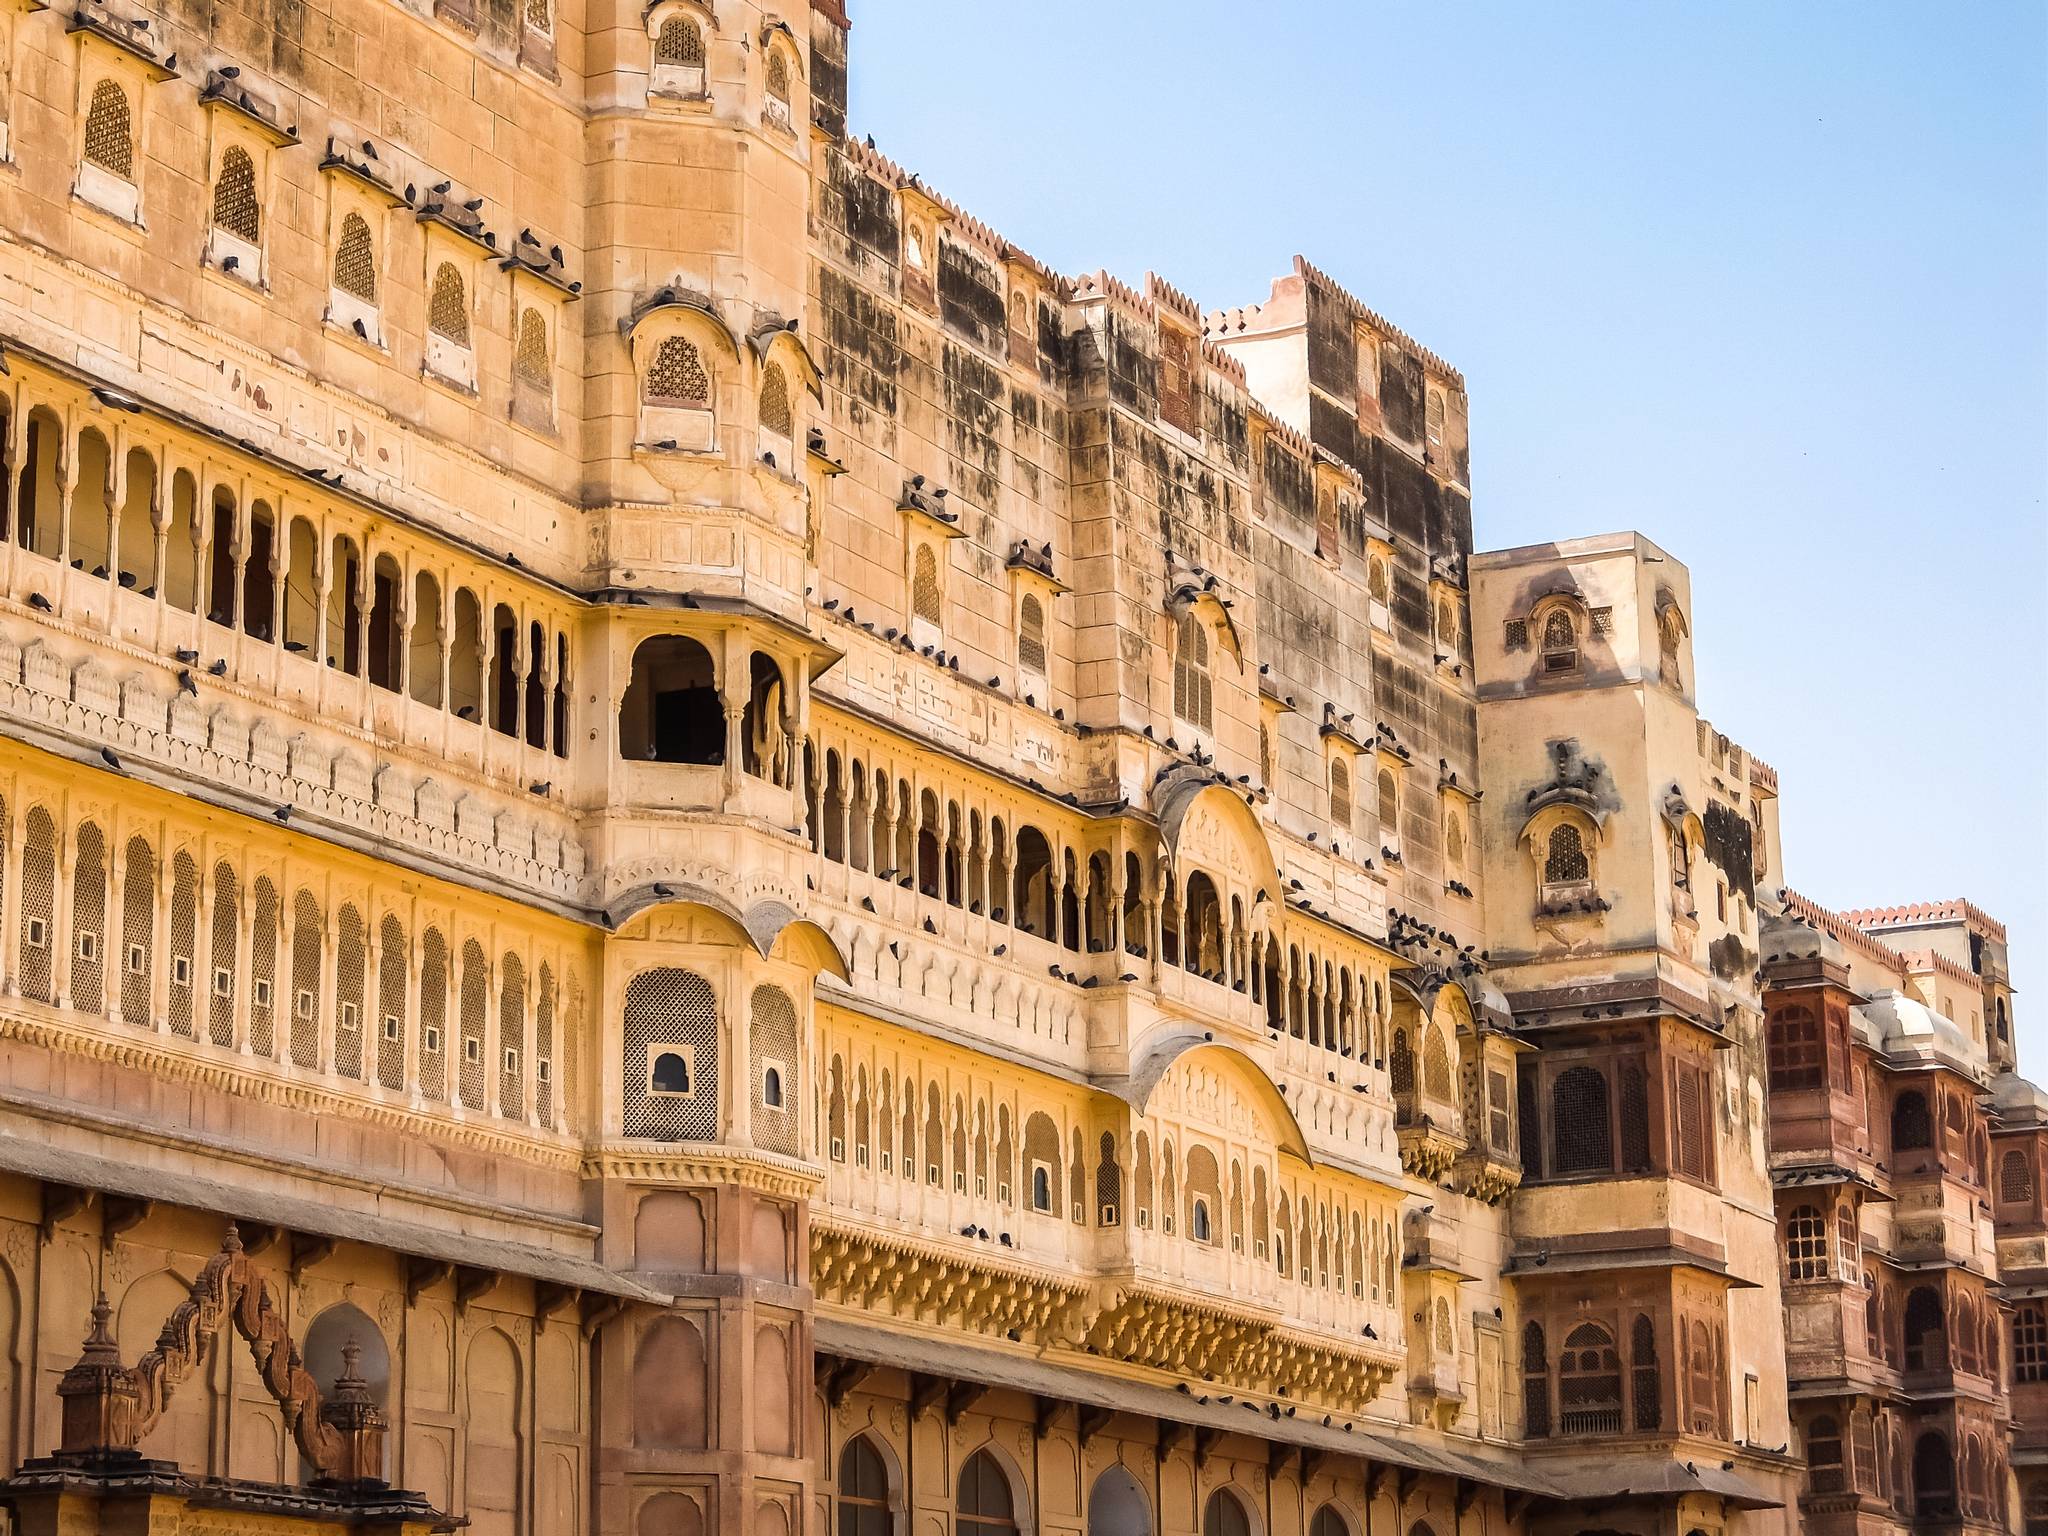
(685, 848)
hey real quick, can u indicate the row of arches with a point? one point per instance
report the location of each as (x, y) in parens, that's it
(680, 707)
(867, 1499)
(185, 941)
(1000, 1156)
(1592, 1379)
(309, 585)
(974, 858)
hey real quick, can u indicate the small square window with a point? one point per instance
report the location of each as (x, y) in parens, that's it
(88, 944)
(259, 992)
(302, 1004)
(392, 1028)
(138, 960)
(544, 1070)
(430, 1039)
(472, 1049)
(223, 981)
(511, 1061)
(38, 936)
(671, 1071)
(181, 970)
(349, 1017)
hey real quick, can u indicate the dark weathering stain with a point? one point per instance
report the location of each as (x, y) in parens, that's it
(1290, 487)
(1728, 848)
(862, 355)
(1133, 375)
(1730, 957)
(828, 77)
(974, 413)
(1333, 427)
(1332, 347)
(870, 210)
(1401, 393)
(971, 298)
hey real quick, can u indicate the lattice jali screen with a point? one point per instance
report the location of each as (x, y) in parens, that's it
(391, 1002)
(184, 944)
(474, 1004)
(38, 906)
(138, 924)
(109, 140)
(235, 208)
(433, 1016)
(512, 1038)
(530, 362)
(263, 999)
(448, 308)
(671, 1008)
(680, 42)
(676, 376)
(773, 1046)
(89, 920)
(355, 260)
(544, 1049)
(348, 995)
(220, 970)
(305, 999)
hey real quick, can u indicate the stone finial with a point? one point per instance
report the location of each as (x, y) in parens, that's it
(98, 1393)
(352, 1414)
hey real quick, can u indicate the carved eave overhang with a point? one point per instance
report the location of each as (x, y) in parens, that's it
(774, 337)
(345, 160)
(673, 296)
(821, 654)
(230, 95)
(1302, 906)
(460, 219)
(819, 454)
(128, 34)
(1792, 973)
(1033, 563)
(1449, 571)
(785, 1178)
(1191, 588)
(1605, 1005)
(764, 925)
(528, 255)
(913, 1279)
(923, 505)
(774, 26)
(1807, 1175)
(1337, 728)
(1529, 1264)
(1393, 752)
(1270, 694)
(917, 200)
(1485, 1176)
(1448, 781)
(1427, 1149)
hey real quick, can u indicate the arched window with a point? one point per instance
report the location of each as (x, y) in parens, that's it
(1340, 793)
(671, 1056)
(1581, 1139)
(1645, 1382)
(1401, 1064)
(1535, 1383)
(863, 1490)
(1926, 1330)
(2030, 1342)
(235, 209)
(1589, 1383)
(2015, 1177)
(530, 362)
(448, 309)
(775, 412)
(681, 42)
(671, 711)
(925, 593)
(1824, 1455)
(1912, 1126)
(1565, 862)
(772, 1040)
(676, 377)
(987, 1507)
(1797, 1059)
(1454, 841)
(1806, 1244)
(1390, 808)
(1326, 1523)
(1225, 1516)
(1436, 1064)
(1192, 697)
(1560, 642)
(109, 138)
(1116, 1505)
(1433, 425)
(1934, 1476)
(1031, 635)
(355, 260)
(778, 77)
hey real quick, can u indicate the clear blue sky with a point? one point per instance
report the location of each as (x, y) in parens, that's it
(1766, 282)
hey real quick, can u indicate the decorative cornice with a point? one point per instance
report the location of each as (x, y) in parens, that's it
(662, 1163)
